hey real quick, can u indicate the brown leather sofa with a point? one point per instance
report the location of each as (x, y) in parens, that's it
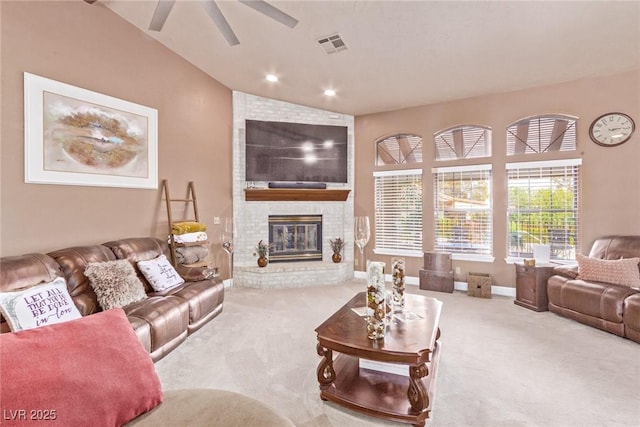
(612, 308)
(161, 321)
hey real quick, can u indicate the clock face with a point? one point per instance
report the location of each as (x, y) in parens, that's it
(611, 129)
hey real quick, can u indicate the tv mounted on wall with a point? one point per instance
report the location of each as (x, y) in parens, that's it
(295, 152)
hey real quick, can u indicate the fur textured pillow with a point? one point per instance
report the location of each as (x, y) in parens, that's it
(115, 283)
(616, 271)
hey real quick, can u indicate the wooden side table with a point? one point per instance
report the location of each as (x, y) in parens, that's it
(531, 286)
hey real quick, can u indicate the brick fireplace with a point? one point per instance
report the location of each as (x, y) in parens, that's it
(251, 218)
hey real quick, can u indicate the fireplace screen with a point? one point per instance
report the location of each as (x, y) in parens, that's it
(295, 238)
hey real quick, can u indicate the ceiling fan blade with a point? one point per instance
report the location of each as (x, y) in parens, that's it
(271, 11)
(218, 18)
(160, 14)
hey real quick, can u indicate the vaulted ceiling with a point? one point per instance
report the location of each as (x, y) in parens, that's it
(399, 53)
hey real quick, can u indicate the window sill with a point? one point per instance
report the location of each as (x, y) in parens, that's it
(472, 257)
(398, 252)
(514, 260)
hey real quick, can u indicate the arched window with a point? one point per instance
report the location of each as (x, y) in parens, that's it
(398, 196)
(543, 195)
(462, 142)
(541, 134)
(399, 149)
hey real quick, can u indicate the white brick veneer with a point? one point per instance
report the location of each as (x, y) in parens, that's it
(251, 218)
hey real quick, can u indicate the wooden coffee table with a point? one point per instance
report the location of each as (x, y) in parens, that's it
(408, 345)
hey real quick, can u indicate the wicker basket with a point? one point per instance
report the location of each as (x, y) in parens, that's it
(479, 285)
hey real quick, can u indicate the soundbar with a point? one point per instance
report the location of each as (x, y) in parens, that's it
(288, 184)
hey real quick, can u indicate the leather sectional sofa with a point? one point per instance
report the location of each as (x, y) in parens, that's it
(610, 307)
(161, 321)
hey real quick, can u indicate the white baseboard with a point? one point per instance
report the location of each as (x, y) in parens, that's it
(458, 286)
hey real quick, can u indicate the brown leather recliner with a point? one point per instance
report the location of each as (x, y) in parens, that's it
(161, 321)
(610, 307)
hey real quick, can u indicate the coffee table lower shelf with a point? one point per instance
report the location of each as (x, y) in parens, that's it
(376, 393)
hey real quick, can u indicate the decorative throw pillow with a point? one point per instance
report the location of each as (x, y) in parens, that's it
(38, 306)
(90, 371)
(622, 271)
(115, 283)
(160, 273)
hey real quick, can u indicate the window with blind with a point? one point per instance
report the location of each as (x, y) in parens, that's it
(463, 142)
(463, 210)
(398, 214)
(399, 149)
(543, 207)
(541, 134)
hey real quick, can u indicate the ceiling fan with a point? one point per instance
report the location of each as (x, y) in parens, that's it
(163, 8)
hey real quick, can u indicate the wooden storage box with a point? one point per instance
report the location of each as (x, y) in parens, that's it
(479, 285)
(437, 261)
(440, 281)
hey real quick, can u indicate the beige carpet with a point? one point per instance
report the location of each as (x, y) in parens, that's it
(501, 365)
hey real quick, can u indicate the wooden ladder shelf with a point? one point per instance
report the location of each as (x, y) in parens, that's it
(190, 199)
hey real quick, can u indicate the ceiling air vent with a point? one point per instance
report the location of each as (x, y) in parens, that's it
(332, 44)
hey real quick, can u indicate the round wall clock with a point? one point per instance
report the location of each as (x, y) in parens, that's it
(611, 129)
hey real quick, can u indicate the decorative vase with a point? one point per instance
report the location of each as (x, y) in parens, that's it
(336, 257)
(376, 305)
(262, 261)
(397, 271)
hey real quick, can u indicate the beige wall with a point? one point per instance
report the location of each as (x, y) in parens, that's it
(91, 47)
(610, 176)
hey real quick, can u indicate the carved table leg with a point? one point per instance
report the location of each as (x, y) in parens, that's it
(326, 374)
(417, 394)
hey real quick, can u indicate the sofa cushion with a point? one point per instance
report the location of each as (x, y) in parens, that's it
(37, 306)
(631, 317)
(73, 261)
(91, 370)
(160, 273)
(618, 272)
(594, 299)
(115, 283)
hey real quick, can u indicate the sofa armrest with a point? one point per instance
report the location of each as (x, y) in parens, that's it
(569, 271)
(195, 274)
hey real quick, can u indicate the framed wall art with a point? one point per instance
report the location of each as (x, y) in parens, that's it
(74, 136)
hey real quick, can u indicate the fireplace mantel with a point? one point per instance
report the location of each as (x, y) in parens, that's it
(295, 194)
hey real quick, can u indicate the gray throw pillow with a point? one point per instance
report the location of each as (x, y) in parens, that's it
(115, 283)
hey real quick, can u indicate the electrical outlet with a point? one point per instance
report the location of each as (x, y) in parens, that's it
(457, 271)
(216, 220)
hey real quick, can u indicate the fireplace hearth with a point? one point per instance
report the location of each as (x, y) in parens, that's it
(295, 238)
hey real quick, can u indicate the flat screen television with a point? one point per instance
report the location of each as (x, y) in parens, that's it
(295, 152)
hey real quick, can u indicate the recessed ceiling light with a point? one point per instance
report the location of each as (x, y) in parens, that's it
(271, 78)
(330, 92)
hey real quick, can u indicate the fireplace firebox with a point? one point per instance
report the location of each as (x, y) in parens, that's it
(295, 238)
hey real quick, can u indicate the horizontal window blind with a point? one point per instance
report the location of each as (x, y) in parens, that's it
(463, 210)
(543, 207)
(463, 142)
(540, 134)
(398, 215)
(399, 149)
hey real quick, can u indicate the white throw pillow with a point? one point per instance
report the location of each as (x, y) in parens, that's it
(160, 273)
(38, 306)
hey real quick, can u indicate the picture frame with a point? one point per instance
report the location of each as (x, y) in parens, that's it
(74, 136)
